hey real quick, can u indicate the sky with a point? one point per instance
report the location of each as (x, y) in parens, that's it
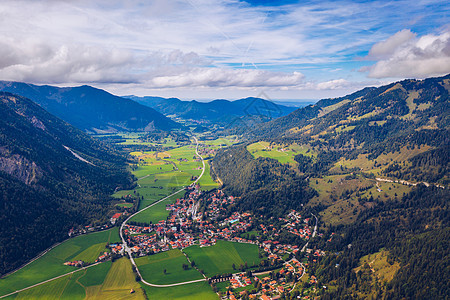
(198, 49)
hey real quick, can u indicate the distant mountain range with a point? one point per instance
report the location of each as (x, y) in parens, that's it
(91, 109)
(217, 111)
(52, 177)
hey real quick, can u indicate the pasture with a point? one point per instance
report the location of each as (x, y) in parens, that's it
(152, 268)
(105, 281)
(192, 291)
(156, 213)
(218, 259)
(52, 263)
(283, 153)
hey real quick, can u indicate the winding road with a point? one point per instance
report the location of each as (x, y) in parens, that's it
(128, 249)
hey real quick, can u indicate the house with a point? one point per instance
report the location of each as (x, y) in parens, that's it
(115, 217)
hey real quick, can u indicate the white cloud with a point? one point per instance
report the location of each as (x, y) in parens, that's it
(205, 44)
(406, 55)
(222, 77)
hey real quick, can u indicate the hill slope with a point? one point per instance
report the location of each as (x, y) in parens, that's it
(91, 109)
(52, 177)
(217, 111)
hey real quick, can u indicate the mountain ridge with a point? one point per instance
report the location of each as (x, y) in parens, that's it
(91, 109)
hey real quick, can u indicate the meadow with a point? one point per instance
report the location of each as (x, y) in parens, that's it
(283, 153)
(219, 259)
(152, 268)
(104, 281)
(50, 265)
(192, 291)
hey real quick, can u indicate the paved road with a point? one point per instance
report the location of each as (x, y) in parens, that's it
(128, 250)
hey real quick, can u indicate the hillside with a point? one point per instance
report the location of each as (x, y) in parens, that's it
(90, 109)
(217, 111)
(52, 177)
(378, 161)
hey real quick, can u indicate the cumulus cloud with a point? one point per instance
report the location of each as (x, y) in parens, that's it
(406, 55)
(222, 77)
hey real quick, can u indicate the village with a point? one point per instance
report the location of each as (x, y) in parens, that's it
(202, 218)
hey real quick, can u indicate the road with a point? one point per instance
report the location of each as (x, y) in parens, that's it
(313, 235)
(128, 249)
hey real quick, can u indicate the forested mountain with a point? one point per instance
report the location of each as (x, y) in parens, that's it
(263, 185)
(377, 162)
(52, 177)
(217, 111)
(376, 121)
(91, 109)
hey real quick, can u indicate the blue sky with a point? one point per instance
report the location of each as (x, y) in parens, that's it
(197, 49)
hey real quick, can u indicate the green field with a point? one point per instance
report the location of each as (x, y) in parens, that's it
(105, 281)
(218, 259)
(192, 291)
(206, 182)
(51, 264)
(152, 268)
(157, 212)
(283, 153)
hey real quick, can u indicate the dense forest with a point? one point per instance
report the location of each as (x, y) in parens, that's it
(46, 189)
(415, 230)
(264, 185)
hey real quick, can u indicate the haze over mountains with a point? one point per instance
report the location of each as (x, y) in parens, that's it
(216, 111)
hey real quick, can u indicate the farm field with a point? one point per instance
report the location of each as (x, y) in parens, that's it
(152, 268)
(51, 264)
(284, 154)
(105, 281)
(206, 182)
(218, 259)
(158, 212)
(192, 291)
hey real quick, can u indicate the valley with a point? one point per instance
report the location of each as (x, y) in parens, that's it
(320, 203)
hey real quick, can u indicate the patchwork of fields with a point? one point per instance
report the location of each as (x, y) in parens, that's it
(104, 281)
(159, 174)
(86, 247)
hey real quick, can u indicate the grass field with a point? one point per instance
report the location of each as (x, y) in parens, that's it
(193, 291)
(117, 284)
(51, 264)
(158, 212)
(206, 182)
(339, 194)
(283, 153)
(105, 281)
(379, 265)
(218, 259)
(152, 268)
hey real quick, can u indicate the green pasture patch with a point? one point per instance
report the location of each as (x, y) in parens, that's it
(90, 254)
(218, 259)
(152, 268)
(192, 291)
(157, 212)
(52, 263)
(206, 182)
(95, 275)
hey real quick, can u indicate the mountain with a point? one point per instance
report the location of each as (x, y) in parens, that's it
(216, 111)
(91, 109)
(52, 177)
(378, 161)
(376, 121)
